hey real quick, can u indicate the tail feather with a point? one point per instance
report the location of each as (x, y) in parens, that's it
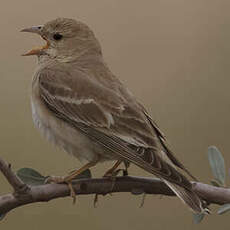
(188, 197)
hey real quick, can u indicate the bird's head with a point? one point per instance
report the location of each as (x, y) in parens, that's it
(65, 38)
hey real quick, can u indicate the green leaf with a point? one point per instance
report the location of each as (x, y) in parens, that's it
(198, 217)
(224, 208)
(217, 164)
(30, 176)
(84, 174)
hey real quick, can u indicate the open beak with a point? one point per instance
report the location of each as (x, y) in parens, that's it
(36, 30)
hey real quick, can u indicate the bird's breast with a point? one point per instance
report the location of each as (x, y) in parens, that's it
(59, 133)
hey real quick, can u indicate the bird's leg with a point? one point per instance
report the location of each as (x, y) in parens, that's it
(110, 172)
(125, 171)
(115, 172)
(68, 179)
(75, 173)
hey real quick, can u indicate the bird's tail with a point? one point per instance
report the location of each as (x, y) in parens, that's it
(158, 164)
(188, 197)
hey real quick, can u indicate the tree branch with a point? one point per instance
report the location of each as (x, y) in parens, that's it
(134, 185)
(17, 184)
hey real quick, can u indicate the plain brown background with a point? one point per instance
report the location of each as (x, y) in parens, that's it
(173, 55)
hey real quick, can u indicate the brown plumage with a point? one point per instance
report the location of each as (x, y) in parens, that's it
(79, 105)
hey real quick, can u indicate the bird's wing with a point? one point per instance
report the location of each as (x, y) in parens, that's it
(96, 111)
(85, 100)
(79, 98)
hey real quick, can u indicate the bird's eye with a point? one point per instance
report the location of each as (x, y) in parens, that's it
(57, 36)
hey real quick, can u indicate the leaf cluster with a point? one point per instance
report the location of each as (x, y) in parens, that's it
(217, 164)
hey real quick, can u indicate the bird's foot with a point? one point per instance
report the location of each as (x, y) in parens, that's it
(69, 178)
(61, 180)
(116, 172)
(110, 174)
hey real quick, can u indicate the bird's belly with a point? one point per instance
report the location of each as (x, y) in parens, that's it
(61, 134)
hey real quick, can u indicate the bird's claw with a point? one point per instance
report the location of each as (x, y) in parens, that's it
(60, 180)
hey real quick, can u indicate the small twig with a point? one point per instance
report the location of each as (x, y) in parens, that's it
(17, 184)
(95, 200)
(143, 200)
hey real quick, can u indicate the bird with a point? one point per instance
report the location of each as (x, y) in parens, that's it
(79, 105)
